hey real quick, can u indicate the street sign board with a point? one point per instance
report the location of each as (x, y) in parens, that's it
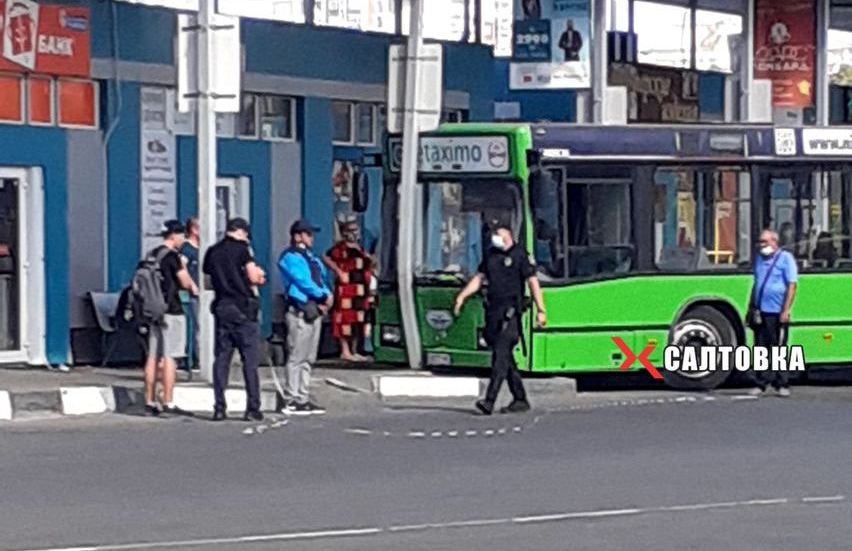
(226, 72)
(430, 87)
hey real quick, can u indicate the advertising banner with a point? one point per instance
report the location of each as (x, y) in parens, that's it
(45, 38)
(785, 49)
(551, 45)
(157, 165)
(657, 94)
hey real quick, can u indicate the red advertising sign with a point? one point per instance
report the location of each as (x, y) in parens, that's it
(785, 49)
(44, 38)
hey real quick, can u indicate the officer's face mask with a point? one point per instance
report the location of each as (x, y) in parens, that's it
(497, 241)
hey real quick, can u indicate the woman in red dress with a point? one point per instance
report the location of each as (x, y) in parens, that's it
(353, 300)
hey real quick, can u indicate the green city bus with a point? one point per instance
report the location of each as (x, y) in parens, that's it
(646, 233)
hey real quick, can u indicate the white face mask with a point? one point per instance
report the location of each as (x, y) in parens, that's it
(497, 242)
(767, 250)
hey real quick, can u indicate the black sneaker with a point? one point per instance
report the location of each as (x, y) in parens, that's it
(152, 409)
(314, 409)
(485, 407)
(175, 410)
(298, 410)
(219, 415)
(517, 406)
(253, 415)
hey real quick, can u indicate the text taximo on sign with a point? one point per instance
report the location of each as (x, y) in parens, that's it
(740, 358)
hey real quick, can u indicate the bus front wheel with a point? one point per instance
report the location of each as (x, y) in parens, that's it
(698, 327)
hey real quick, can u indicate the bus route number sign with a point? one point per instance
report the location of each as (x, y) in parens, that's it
(456, 154)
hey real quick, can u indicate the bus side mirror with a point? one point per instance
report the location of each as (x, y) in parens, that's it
(360, 191)
(541, 186)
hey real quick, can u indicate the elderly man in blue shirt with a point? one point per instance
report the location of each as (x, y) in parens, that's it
(775, 280)
(308, 300)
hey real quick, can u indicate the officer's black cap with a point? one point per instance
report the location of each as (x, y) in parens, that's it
(235, 224)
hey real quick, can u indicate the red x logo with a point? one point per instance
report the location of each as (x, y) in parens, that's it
(631, 357)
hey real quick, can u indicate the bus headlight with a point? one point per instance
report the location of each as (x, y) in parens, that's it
(391, 335)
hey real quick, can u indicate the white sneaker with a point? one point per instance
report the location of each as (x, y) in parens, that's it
(783, 392)
(756, 392)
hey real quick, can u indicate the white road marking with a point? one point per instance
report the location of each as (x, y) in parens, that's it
(372, 531)
(417, 434)
(470, 433)
(823, 499)
(436, 434)
(358, 431)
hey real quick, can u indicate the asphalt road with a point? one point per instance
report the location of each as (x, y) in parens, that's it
(721, 474)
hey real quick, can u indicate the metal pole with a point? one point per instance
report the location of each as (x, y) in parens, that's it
(822, 85)
(408, 190)
(747, 63)
(599, 60)
(206, 179)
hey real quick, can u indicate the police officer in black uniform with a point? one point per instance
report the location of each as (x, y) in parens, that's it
(505, 269)
(235, 277)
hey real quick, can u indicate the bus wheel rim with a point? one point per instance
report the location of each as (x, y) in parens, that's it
(695, 333)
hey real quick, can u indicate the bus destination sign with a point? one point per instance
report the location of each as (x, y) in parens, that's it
(456, 154)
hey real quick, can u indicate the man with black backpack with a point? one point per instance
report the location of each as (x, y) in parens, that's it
(157, 307)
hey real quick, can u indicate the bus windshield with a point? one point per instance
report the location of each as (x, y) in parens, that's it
(456, 214)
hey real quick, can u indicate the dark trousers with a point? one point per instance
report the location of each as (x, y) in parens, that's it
(770, 333)
(235, 330)
(503, 366)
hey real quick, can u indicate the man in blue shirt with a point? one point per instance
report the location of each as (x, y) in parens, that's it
(775, 281)
(308, 300)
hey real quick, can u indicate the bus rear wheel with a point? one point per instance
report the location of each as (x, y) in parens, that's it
(698, 327)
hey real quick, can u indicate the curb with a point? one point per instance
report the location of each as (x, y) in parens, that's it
(426, 386)
(94, 400)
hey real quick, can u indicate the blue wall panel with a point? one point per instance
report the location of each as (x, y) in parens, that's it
(236, 158)
(47, 148)
(317, 161)
(536, 105)
(123, 193)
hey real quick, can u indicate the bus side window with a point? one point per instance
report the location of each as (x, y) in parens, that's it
(547, 199)
(811, 213)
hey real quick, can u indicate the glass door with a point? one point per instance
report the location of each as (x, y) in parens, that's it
(10, 265)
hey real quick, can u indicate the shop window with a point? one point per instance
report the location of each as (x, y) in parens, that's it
(839, 57)
(366, 123)
(442, 19)
(78, 103)
(341, 112)
(292, 11)
(718, 41)
(40, 100)
(277, 117)
(664, 34)
(365, 15)
(497, 18)
(702, 219)
(247, 119)
(619, 16)
(226, 125)
(11, 99)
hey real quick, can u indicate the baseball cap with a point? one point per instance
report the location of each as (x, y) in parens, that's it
(239, 224)
(303, 226)
(171, 227)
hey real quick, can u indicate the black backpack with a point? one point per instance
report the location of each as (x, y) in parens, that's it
(146, 302)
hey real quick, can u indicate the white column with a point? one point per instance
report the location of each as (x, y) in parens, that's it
(408, 190)
(747, 63)
(206, 179)
(822, 91)
(599, 59)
